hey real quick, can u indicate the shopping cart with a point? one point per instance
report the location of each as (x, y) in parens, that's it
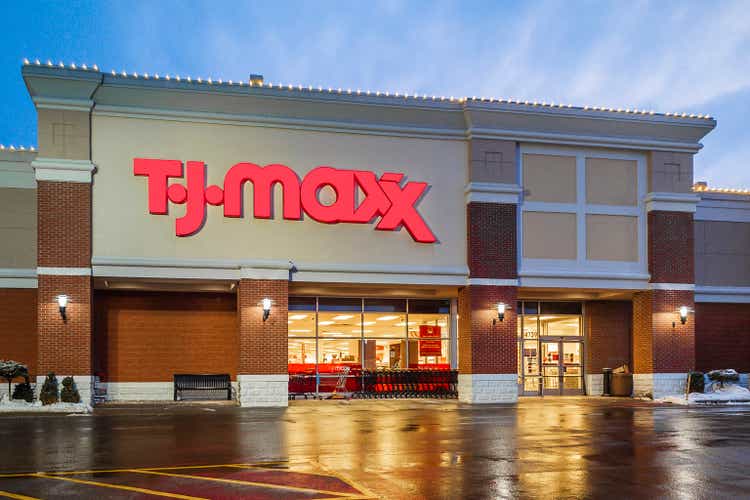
(339, 392)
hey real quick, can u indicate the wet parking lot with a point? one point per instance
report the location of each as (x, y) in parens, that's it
(550, 448)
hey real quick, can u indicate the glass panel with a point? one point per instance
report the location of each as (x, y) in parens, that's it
(429, 325)
(530, 307)
(429, 306)
(301, 323)
(550, 354)
(432, 354)
(530, 358)
(530, 327)
(301, 304)
(301, 355)
(385, 305)
(568, 326)
(561, 308)
(572, 370)
(380, 353)
(385, 318)
(301, 365)
(333, 353)
(572, 353)
(340, 318)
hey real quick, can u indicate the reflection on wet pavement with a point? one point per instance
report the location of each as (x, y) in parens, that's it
(551, 447)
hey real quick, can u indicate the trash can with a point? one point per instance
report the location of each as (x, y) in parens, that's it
(607, 384)
(621, 385)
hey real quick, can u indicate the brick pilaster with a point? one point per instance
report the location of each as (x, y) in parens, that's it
(262, 374)
(663, 348)
(484, 344)
(64, 260)
(487, 347)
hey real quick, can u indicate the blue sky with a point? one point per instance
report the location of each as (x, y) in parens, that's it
(663, 55)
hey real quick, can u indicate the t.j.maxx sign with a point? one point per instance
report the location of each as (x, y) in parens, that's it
(385, 198)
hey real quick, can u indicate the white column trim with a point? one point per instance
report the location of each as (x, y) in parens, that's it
(723, 294)
(492, 282)
(672, 286)
(59, 169)
(64, 271)
(671, 202)
(256, 273)
(491, 192)
(18, 278)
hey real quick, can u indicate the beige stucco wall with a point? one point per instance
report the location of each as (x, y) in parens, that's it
(63, 134)
(17, 228)
(549, 178)
(722, 253)
(611, 182)
(549, 235)
(122, 226)
(612, 237)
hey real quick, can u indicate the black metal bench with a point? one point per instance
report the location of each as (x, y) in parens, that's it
(216, 383)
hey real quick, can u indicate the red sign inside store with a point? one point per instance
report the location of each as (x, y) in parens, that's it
(427, 345)
(387, 199)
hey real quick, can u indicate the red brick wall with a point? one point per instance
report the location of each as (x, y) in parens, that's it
(150, 336)
(263, 344)
(64, 240)
(722, 336)
(482, 346)
(661, 344)
(18, 337)
(671, 247)
(608, 330)
(64, 224)
(64, 346)
(491, 244)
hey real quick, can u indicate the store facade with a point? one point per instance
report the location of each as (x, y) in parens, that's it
(296, 237)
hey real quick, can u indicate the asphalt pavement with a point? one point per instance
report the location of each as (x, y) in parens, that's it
(541, 448)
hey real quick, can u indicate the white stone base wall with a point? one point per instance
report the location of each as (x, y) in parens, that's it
(488, 388)
(144, 391)
(594, 385)
(84, 383)
(659, 385)
(263, 390)
(138, 391)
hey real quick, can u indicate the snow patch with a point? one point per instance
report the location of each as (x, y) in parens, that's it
(16, 405)
(729, 393)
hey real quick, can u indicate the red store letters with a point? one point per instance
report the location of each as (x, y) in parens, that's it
(385, 197)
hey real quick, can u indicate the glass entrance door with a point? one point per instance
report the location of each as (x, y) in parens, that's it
(562, 372)
(550, 348)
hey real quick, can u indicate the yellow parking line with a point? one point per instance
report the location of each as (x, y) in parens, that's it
(336, 494)
(106, 471)
(7, 494)
(349, 481)
(119, 487)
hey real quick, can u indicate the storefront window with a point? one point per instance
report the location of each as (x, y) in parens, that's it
(302, 345)
(332, 339)
(550, 347)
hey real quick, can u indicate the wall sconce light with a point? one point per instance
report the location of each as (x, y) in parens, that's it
(62, 303)
(266, 308)
(500, 313)
(683, 314)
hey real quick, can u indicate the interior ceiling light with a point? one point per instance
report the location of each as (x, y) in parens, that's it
(387, 318)
(342, 317)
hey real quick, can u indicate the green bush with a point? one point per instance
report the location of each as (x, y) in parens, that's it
(24, 391)
(697, 382)
(12, 369)
(48, 394)
(69, 392)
